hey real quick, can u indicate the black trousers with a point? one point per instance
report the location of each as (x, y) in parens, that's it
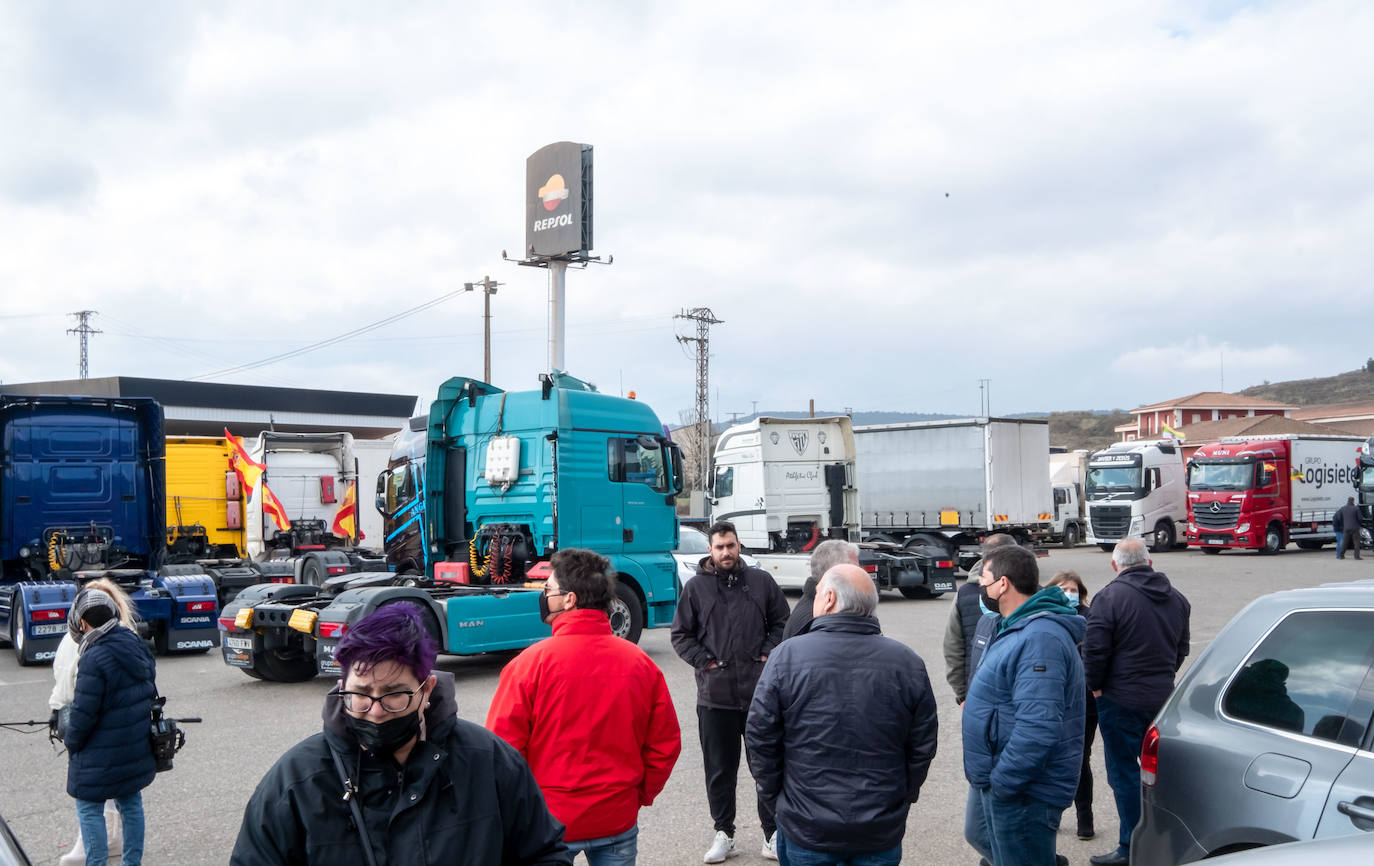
(722, 735)
(1083, 797)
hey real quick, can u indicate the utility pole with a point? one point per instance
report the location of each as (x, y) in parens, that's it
(702, 345)
(488, 286)
(84, 329)
(985, 397)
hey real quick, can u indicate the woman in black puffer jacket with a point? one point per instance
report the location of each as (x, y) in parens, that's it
(107, 736)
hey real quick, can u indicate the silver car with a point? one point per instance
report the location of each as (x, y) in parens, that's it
(1267, 738)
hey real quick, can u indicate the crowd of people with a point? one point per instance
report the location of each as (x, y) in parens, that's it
(837, 722)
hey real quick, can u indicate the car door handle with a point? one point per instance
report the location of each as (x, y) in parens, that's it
(1361, 816)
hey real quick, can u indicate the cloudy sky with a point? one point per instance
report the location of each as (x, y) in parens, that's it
(1092, 205)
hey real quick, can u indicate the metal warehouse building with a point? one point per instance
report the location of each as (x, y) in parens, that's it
(206, 408)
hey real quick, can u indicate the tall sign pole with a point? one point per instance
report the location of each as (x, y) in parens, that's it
(558, 226)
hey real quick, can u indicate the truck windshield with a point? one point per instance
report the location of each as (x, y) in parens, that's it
(1220, 476)
(1112, 479)
(1367, 478)
(634, 461)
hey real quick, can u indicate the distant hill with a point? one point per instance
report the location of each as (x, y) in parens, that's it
(1090, 430)
(1342, 388)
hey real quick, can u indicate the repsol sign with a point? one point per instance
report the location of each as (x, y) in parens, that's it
(1321, 475)
(553, 222)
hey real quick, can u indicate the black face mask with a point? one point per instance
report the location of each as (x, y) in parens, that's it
(383, 738)
(988, 601)
(544, 612)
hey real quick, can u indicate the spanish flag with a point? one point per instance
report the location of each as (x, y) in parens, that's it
(272, 507)
(1174, 433)
(346, 520)
(249, 470)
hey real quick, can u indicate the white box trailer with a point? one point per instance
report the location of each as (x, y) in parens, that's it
(309, 473)
(372, 456)
(951, 483)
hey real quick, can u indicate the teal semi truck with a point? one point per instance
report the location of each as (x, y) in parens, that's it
(476, 497)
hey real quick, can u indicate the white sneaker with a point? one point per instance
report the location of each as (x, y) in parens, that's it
(721, 847)
(770, 847)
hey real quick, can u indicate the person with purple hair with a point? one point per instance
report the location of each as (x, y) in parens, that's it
(396, 776)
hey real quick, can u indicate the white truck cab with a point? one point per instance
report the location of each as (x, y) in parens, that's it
(1137, 490)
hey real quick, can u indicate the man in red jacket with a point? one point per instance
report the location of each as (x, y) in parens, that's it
(591, 714)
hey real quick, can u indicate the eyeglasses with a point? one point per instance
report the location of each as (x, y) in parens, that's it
(549, 593)
(392, 702)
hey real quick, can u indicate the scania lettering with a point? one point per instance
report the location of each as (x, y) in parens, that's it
(1261, 492)
(1136, 490)
(477, 496)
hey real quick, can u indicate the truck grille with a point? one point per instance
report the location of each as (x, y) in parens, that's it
(1216, 515)
(1111, 521)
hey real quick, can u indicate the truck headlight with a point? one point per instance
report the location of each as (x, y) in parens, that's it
(24, 552)
(1244, 527)
(1137, 524)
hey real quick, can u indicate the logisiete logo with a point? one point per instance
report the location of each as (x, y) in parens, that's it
(552, 194)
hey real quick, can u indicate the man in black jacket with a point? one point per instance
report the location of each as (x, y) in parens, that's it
(1136, 640)
(729, 618)
(396, 777)
(842, 731)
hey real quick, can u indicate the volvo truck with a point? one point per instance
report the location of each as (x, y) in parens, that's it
(1137, 490)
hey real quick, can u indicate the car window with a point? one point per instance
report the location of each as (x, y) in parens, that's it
(692, 541)
(1304, 676)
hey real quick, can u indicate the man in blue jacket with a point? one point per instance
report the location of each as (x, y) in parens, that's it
(841, 731)
(1136, 641)
(1023, 716)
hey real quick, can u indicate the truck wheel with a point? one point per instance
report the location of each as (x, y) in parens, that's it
(1273, 540)
(1070, 535)
(279, 666)
(880, 538)
(19, 636)
(627, 614)
(1211, 551)
(1162, 538)
(1309, 544)
(312, 572)
(1106, 548)
(914, 592)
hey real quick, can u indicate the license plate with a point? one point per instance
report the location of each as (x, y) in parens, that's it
(50, 628)
(943, 585)
(239, 643)
(1216, 541)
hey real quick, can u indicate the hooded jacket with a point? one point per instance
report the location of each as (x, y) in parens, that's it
(592, 715)
(1023, 717)
(732, 619)
(1137, 639)
(107, 736)
(463, 796)
(841, 734)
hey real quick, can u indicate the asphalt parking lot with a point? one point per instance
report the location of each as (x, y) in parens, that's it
(194, 811)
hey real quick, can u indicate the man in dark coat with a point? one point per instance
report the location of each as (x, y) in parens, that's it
(1346, 522)
(107, 735)
(1136, 641)
(729, 618)
(826, 555)
(842, 731)
(430, 788)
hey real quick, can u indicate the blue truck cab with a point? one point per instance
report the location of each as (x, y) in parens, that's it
(476, 497)
(82, 495)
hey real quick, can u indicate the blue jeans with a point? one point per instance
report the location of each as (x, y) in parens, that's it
(1123, 733)
(618, 850)
(792, 855)
(976, 826)
(1021, 829)
(90, 814)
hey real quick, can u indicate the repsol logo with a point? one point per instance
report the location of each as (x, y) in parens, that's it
(1320, 476)
(193, 644)
(553, 222)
